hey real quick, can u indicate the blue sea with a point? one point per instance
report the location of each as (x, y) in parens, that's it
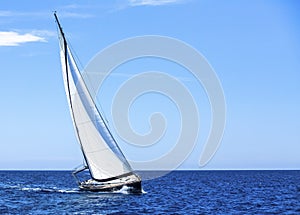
(179, 192)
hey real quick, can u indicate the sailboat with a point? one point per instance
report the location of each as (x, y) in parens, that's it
(108, 168)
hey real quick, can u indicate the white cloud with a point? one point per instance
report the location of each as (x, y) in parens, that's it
(153, 2)
(10, 38)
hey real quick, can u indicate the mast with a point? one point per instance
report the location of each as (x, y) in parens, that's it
(66, 59)
(69, 92)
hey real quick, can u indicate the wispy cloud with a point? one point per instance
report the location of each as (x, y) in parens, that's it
(4, 13)
(153, 2)
(122, 5)
(75, 15)
(44, 14)
(79, 6)
(11, 38)
(75, 10)
(44, 33)
(7, 13)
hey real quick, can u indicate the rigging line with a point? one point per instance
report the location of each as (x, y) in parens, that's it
(96, 101)
(77, 60)
(104, 149)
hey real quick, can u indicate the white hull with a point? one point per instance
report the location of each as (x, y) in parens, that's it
(132, 183)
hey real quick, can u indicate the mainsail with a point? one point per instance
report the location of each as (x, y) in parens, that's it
(102, 155)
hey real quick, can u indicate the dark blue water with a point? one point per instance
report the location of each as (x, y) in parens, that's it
(180, 192)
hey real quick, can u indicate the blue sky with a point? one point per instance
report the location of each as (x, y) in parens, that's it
(253, 47)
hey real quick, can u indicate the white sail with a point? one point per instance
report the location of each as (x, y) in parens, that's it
(102, 155)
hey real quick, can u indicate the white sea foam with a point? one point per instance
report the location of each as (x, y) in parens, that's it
(127, 190)
(50, 190)
(68, 191)
(35, 189)
(123, 190)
